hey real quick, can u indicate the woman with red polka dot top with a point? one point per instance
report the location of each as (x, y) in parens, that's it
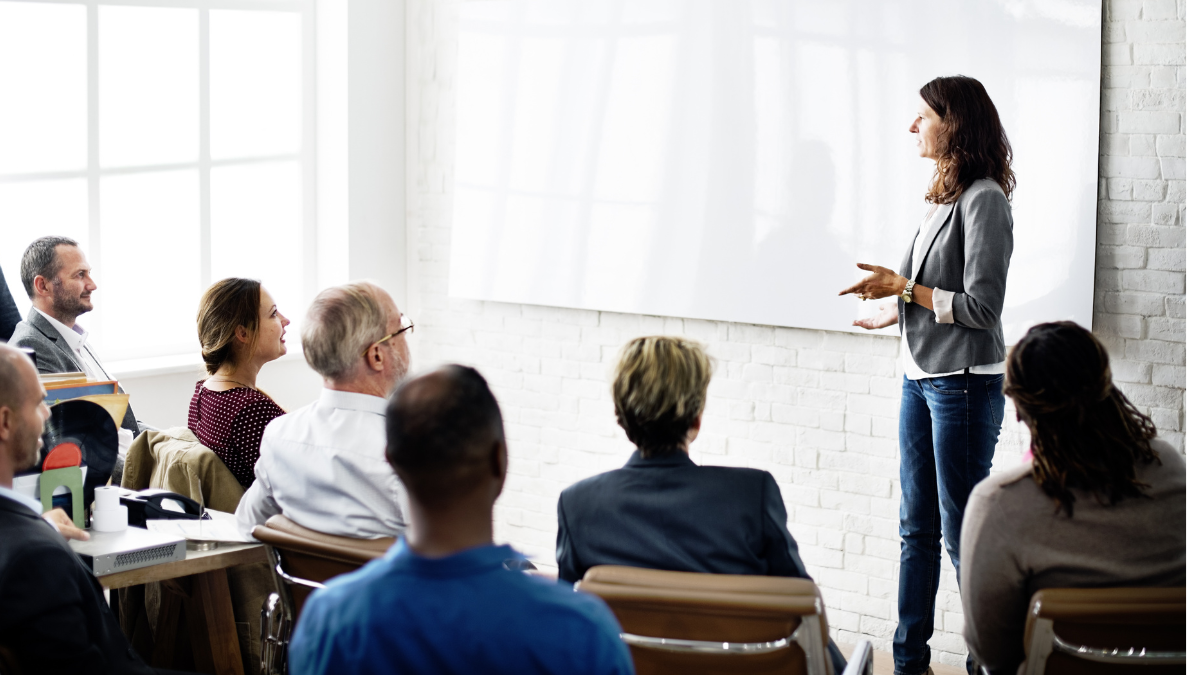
(240, 330)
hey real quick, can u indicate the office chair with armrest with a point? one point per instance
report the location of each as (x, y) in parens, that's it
(302, 559)
(719, 623)
(1099, 631)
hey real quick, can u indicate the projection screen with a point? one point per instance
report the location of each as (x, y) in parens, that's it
(733, 159)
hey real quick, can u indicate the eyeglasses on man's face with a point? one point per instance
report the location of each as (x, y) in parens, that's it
(405, 324)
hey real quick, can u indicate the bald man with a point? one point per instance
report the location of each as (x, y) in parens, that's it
(451, 600)
(54, 618)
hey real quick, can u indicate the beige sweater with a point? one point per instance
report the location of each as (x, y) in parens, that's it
(1014, 544)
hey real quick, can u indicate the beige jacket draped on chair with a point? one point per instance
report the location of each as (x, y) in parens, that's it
(174, 459)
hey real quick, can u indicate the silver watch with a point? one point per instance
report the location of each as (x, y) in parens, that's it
(907, 295)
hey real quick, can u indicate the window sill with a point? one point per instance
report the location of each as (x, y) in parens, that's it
(170, 365)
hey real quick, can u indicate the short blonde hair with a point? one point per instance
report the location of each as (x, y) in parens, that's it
(342, 321)
(659, 390)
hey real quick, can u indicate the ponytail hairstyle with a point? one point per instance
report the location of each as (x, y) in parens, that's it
(972, 143)
(225, 306)
(1086, 434)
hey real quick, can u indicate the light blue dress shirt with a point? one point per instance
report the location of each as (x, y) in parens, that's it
(323, 466)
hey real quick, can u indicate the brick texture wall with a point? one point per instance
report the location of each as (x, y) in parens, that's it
(817, 409)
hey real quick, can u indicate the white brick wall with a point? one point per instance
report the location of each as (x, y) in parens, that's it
(817, 409)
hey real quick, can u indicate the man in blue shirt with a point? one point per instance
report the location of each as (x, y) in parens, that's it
(449, 600)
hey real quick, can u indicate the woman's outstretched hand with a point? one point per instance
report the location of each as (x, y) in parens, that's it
(888, 315)
(881, 283)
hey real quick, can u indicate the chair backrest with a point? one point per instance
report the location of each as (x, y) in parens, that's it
(1105, 630)
(307, 555)
(302, 560)
(714, 623)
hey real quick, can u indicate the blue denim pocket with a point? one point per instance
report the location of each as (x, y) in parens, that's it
(995, 394)
(950, 384)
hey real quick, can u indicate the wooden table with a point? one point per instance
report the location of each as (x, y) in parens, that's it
(200, 578)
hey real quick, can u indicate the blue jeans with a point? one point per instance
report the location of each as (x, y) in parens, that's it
(948, 432)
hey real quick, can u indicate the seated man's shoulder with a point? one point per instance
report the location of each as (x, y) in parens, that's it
(736, 475)
(25, 335)
(532, 624)
(548, 608)
(557, 594)
(591, 484)
(23, 330)
(33, 544)
(297, 425)
(552, 615)
(37, 554)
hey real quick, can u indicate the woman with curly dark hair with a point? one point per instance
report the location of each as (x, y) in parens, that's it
(949, 297)
(1102, 503)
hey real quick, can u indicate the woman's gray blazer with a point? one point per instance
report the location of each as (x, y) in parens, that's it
(966, 252)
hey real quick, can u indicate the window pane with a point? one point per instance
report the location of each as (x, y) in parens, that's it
(149, 85)
(43, 77)
(256, 230)
(254, 83)
(149, 269)
(36, 209)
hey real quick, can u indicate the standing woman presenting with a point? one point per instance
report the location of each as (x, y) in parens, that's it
(950, 295)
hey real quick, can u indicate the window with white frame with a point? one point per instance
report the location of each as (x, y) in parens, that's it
(174, 140)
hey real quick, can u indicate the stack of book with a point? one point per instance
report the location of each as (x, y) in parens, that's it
(70, 386)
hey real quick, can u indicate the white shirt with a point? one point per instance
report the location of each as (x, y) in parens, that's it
(76, 339)
(323, 466)
(943, 312)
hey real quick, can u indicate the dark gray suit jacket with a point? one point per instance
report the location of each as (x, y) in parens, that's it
(965, 252)
(53, 355)
(55, 618)
(9, 316)
(667, 513)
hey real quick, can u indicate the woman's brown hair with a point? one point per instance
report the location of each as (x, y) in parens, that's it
(659, 390)
(225, 306)
(1086, 434)
(972, 143)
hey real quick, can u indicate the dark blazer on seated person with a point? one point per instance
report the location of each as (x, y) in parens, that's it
(667, 513)
(9, 316)
(53, 615)
(53, 356)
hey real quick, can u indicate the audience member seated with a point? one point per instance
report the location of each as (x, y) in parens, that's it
(9, 316)
(662, 511)
(55, 618)
(58, 281)
(323, 466)
(450, 600)
(240, 330)
(1101, 505)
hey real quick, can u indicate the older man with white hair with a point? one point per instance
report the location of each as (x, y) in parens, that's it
(323, 466)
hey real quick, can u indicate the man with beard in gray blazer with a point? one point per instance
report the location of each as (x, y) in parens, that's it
(58, 280)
